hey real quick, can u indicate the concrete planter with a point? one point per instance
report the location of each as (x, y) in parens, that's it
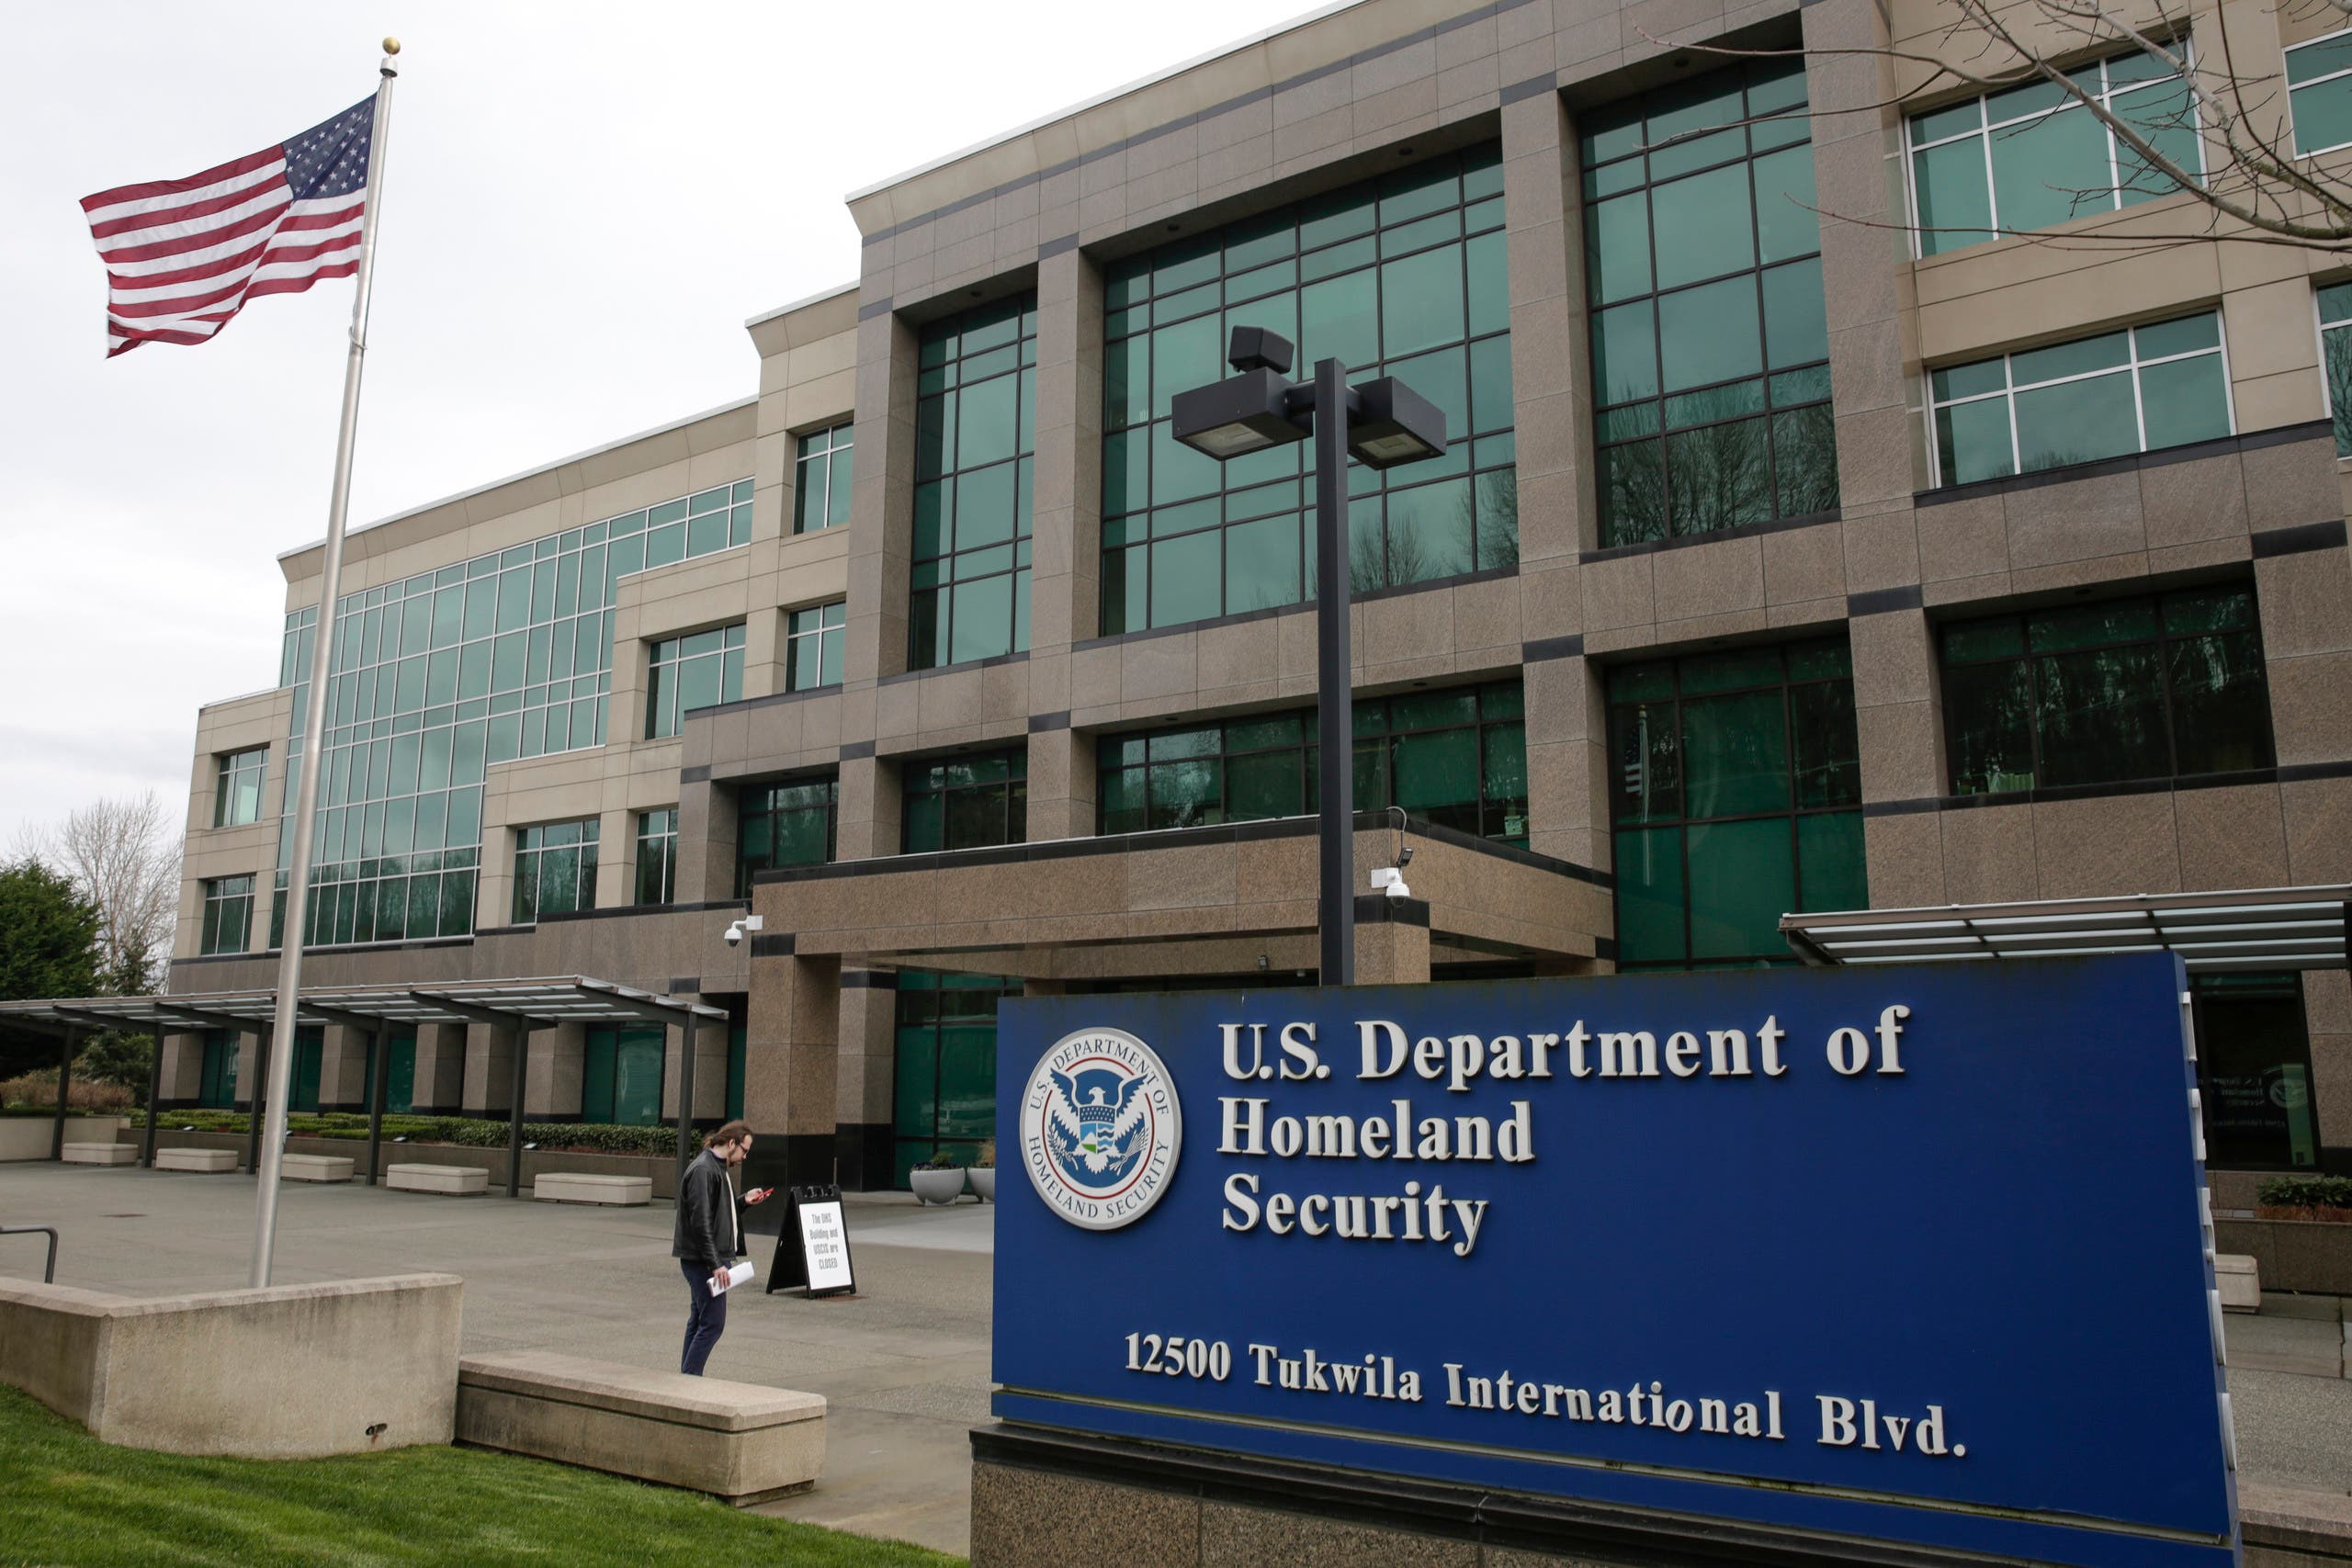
(661, 1171)
(2312, 1256)
(29, 1137)
(937, 1186)
(983, 1181)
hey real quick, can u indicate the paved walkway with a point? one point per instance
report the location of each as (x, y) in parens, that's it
(905, 1363)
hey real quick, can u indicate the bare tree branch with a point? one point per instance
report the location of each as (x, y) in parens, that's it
(124, 855)
(2256, 188)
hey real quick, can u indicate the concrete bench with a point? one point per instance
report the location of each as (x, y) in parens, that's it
(578, 1187)
(741, 1442)
(315, 1167)
(2240, 1281)
(101, 1154)
(456, 1180)
(212, 1161)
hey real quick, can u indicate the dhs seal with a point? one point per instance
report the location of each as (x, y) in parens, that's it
(1100, 1128)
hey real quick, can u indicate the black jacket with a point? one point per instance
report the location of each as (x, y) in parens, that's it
(702, 1229)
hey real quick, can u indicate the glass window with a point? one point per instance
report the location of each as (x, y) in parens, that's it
(555, 869)
(228, 915)
(236, 798)
(1709, 341)
(687, 673)
(1736, 790)
(657, 856)
(2254, 1072)
(621, 1075)
(822, 479)
(1401, 276)
(2030, 156)
(964, 803)
(813, 648)
(217, 1085)
(781, 825)
(1457, 759)
(2319, 92)
(944, 1085)
(976, 421)
(2161, 687)
(2336, 360)
(2134, 390)
(439, 677)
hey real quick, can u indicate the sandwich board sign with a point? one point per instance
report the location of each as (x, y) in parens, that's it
(812, 1247)
(1918, 1255)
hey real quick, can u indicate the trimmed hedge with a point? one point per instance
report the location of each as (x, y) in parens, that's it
(465, 1131)
(2306, 1192)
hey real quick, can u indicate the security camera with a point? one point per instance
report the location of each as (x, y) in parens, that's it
(735, 934)
(1404, 857)
(1391, 882)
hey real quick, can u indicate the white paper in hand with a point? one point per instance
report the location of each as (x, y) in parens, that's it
(733, 1276)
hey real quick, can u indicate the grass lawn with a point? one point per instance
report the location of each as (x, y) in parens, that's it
(66, 1497)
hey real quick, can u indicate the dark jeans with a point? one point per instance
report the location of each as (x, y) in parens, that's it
(705, 1317)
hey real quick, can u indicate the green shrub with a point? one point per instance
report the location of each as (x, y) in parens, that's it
(475, 1133)
(2306, 1192)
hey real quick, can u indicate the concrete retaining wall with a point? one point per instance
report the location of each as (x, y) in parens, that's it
(29, 1137)
(2312, 1255)
(661, 1170)
(288, 1372)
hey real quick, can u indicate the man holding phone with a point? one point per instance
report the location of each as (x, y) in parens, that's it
(710, 1237)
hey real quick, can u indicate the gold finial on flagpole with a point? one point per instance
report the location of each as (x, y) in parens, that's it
(391, 46)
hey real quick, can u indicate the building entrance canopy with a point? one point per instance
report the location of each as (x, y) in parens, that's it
(517, 1006)
(2264, 928)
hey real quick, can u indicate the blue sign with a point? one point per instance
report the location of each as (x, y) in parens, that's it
(1913, 1254)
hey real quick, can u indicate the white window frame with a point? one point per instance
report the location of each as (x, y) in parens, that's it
(822, 458)
(2132, 363)
(2320, 326)
(1986, 128)
(792, 640)
(2293, 86)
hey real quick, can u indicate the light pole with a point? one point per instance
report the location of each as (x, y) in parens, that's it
(1382, 424)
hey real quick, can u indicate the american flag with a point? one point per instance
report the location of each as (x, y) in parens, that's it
(182, 256)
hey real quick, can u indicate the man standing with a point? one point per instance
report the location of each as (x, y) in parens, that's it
(710, 1237)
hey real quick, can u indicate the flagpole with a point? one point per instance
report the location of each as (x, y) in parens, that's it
(314, 722)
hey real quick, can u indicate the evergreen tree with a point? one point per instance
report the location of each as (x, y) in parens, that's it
(49, 943)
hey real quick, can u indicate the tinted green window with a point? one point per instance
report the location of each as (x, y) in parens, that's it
(217, 1085)
(1734, 786)
(228, 915)
(688, 673)
(2336, 359)
(309, 1061)
(813, 647)
(400, 1072)
(945, 1087)
(620, 1078)
(657, 856)
(1456, 759)
(822, 479)
(964, 803)
(2160, 686)
(782, 825)
(2319, 78)
(976, 420)
(2254, 1072)
(237, 791)
(2031, 156)
(1710, 341)
(555, 869)
(1403, 276)
(2135, 391)
(437, 679)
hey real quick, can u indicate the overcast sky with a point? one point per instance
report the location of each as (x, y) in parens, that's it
(586, 202)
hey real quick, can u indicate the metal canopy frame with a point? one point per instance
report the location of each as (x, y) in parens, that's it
(2250, 929)
(518, 1006)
